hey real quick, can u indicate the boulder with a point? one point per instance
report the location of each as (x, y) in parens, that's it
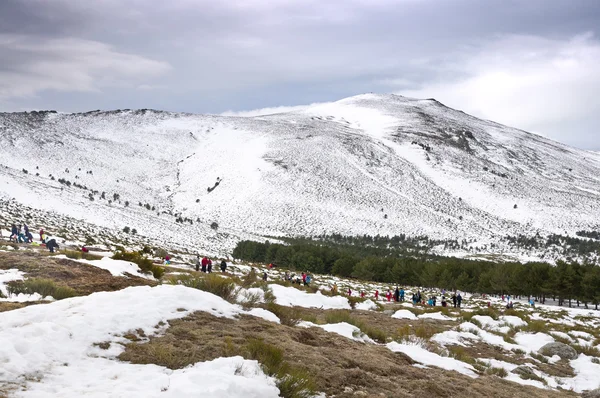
(562, 350)
(591, 394)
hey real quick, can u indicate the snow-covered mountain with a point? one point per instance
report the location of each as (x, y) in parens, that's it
(370, 164)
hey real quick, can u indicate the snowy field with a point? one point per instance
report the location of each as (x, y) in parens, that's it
(54, 349)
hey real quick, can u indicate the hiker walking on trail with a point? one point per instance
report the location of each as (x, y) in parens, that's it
(402, 294)
(197, 262)
(454, 300)
(458, 299)
(223, 265)
(397, 294)
(376, 295)
(204, 263)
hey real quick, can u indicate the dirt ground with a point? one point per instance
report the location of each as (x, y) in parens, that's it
(340, 367)
(84, 278)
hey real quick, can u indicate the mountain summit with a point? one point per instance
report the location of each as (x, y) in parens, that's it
(369, 164)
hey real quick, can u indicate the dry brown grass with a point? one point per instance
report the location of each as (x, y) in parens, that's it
(336, 362)
(83, 278)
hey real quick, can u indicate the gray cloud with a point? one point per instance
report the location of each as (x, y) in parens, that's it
(207, 56)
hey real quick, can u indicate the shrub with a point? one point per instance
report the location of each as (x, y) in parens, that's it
(45, 287)
(212, 283)
(126, 230)
(145, 264)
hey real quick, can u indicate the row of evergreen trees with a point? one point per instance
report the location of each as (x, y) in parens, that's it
(566, 281)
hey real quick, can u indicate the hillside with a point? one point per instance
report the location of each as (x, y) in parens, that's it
(370, 164)
(96, 326)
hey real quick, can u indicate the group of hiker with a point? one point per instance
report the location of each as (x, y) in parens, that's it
(304, 279)
(205, 264)
(22, 234)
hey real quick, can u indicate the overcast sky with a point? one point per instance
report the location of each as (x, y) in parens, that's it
(532, 64)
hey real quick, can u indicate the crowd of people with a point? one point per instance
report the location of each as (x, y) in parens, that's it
(22, 234)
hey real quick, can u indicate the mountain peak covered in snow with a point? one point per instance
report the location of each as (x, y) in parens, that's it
(368, 164)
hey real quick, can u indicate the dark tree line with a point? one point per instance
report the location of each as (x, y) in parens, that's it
(387, 263)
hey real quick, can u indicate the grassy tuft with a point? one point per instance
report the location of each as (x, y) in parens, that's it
(292, 381)
(590, 351)
(45, 287)
(537, 326)
(289, 316)
(212, 283)
(500, 372)
(539, 357)
(460, 354)
(78, 255)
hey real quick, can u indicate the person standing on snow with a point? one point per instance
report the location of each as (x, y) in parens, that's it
(264, 278)
(397, 294)
(197, 262)
(204, 263)
(376, 295)
(41, 235)
(458, 299)
(223, 265)
(209, 265)
(402, 294)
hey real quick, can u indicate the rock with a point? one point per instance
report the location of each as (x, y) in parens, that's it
(591, 394)
(524, 371)
(389, 312)
(562, 350)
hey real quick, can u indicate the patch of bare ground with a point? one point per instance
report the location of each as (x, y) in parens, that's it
(339, 366)
(83, 278)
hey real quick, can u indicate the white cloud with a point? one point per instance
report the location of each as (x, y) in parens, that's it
(34, 64)
(524, 81)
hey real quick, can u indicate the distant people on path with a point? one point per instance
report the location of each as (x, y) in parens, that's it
(388, 295)
(85, 249)
(197, 262)
(167, 260)
(444, 303)
(362, 294)
(265, 276)
(308, 280)
(509, 305)
(532, 302)
(223, 266)
(209, 266)
(204, 263)
(41, 235)
(458, 300)
(304, 278)
(397, 294)
(454, 299)
(402, 294)
(376, 295)
(349, 292)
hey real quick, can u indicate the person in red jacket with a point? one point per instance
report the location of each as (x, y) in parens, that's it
(209, 266)
(376, 295)
(204, 263)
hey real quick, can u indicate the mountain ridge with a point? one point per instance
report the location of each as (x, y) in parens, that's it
(368, 164)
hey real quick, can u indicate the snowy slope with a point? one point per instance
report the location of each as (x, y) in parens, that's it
(370, 164)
